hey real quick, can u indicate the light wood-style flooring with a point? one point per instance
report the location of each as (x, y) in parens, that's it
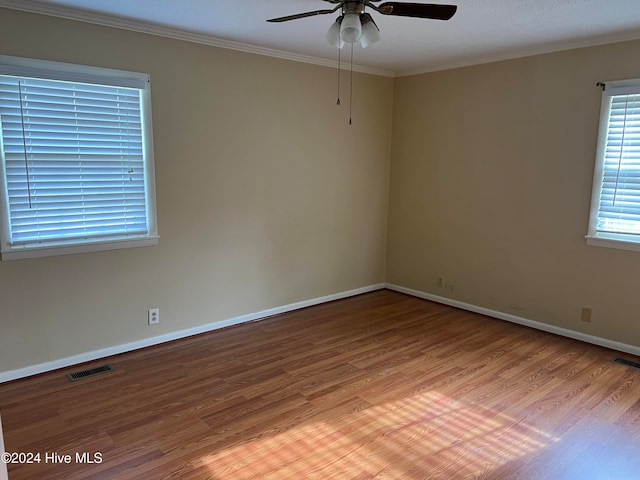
(380, 385)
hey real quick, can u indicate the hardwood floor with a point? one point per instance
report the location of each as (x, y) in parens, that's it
(381, 385)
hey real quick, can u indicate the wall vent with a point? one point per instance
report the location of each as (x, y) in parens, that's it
(89, 373)
(626, 362)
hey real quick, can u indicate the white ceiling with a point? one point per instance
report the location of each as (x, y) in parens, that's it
(481, 30)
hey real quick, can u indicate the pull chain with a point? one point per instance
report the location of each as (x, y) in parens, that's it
(339, 50)
(351, 86)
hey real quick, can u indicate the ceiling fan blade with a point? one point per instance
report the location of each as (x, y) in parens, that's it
(303, 15)
(418, 10)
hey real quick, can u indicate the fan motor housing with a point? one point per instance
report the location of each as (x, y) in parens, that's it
(356, 7)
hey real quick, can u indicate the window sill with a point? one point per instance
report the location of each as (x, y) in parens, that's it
(618, 243)
(30, 251)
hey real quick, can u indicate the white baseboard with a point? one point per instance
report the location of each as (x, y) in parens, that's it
(147, 342)
(603, 342)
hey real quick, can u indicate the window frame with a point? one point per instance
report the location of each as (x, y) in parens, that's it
(27, 67)
(594, 237)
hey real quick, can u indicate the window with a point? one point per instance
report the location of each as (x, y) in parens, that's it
(76, 164)
(615, 203)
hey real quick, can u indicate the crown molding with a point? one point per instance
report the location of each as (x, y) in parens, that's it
(625, 36)
(174, 33)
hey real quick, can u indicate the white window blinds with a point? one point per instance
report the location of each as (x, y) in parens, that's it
(75, 159)
(615, 206)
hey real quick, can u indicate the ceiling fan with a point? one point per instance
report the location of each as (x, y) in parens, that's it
(354, 24)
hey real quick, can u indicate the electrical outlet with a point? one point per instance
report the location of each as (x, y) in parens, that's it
(154, 316)
(586, 315)
(444, 283)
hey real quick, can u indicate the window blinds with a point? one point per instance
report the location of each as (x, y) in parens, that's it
(74, 161)
(619, 199)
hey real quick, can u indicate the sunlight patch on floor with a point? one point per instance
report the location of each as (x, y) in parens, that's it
(415, 436)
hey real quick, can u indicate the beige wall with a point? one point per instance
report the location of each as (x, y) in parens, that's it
(490, 188)
(265, 195)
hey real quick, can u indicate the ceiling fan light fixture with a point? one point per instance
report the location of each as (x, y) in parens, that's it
(350, 29)
(333, 34)
(370, 31)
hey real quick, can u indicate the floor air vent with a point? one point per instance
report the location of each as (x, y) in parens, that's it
(628, 363)
(89, 373)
